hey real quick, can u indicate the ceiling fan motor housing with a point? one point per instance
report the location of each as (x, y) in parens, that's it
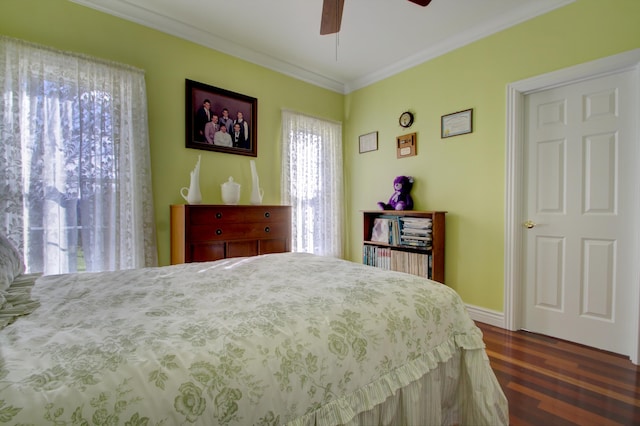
(332, 15)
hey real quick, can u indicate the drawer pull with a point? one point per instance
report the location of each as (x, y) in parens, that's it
(218, 231)
(267, 229)
(267, 214)
(218, 215)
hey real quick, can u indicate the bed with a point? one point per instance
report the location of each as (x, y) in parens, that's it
(278, 339)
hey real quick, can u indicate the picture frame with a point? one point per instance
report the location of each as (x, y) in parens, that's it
(202, 131)
(368, 142)
(457, 123)
(406, 145)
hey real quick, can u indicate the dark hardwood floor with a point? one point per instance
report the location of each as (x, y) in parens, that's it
(553, 382)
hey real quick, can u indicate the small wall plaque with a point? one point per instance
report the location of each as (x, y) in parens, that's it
(406, 145)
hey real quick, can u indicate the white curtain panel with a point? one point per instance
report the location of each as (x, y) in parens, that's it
(75, 170)
(312, 182)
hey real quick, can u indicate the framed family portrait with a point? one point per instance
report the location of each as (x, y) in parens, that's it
(220, 120)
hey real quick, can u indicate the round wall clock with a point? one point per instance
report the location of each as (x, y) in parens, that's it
(406, 119)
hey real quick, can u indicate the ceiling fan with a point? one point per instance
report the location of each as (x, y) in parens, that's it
(332, 15)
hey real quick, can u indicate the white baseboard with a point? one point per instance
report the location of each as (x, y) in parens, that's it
(486, 316)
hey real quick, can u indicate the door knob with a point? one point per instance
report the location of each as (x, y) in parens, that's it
(529, 224)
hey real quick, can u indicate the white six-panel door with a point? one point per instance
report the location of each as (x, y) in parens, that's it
(578, 244)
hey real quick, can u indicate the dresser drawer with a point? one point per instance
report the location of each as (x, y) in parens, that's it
(237, 231)
(206, 251)
(215, 250)
(227, 214)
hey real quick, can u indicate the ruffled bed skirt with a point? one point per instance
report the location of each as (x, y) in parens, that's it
(451, 386)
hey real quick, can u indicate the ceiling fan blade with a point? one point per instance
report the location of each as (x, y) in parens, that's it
(331, 16)
(421, 2)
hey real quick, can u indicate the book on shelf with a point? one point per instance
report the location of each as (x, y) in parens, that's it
(395, 231)
(379, 257)
(412, 263)
(386, 229)
(381, 231)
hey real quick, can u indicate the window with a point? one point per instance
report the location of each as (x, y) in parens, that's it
(74, 161)
(312, 182)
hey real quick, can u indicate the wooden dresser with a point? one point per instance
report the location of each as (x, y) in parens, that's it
(201, 233)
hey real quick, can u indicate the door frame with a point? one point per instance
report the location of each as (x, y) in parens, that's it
(514, 180)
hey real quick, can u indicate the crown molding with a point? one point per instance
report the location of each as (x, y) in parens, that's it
(497, 24)
(154, 20)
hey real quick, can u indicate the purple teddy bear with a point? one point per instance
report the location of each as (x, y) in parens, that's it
(401, 199)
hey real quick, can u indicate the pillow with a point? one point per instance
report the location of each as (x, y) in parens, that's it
(11, 264)
(16, 300)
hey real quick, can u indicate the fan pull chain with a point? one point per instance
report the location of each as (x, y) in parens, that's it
(338, 18)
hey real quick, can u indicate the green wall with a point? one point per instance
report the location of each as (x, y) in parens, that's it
(464, 175)
(167, 62)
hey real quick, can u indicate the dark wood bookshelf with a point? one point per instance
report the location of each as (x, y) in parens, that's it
(435, 253)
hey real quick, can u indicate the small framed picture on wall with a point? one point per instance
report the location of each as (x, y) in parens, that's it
(368, 142)
(457, 123)
(406, 145)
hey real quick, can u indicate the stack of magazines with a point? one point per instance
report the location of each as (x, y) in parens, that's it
(416, 232)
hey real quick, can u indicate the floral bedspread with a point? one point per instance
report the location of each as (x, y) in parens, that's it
(285, 338)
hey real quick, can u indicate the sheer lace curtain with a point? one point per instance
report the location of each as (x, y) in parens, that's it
(312, 182)
(74, 161)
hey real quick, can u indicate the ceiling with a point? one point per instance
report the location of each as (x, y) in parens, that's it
(378, 38)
